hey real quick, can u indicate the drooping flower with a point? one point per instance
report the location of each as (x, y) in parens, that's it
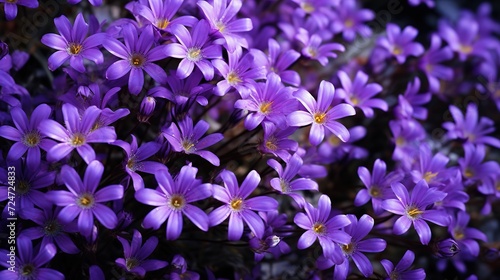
(10, 7)
(269, 102)
(320, 114)
(358, 230)
(160, 13)
(173, 199)
(275, 141)
(83, 200)
(136, 160)
(286, 184)
(402, 270)
(359, 93)
(470, 127)
(77, 134)
(377, 185)
(28, 263)
(136, 254)
(314, 49)
(223, 21)
(135, 56)
(278, 61)
(238, 207)
(51, 228)
(240, 73)
(188, 139)
(195, 48)
(26, 134)
(414, 209)
(73, 44)
(399, 44)
(349, 19)
(321, 225)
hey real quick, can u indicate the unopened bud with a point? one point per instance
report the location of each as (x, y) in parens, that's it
(147, 108)
(446, 248)
(4, 49)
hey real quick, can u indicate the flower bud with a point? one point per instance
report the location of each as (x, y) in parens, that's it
(4, 49)
(147, 109)
(446, 248)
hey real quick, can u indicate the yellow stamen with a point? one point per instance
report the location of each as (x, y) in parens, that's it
(429, 176)
(319, 118)
(375, 191)
(265, 107)
(414, 212)
(397, 51)
(77, 140)
(465, 49)
(307, 7)
(137, 60)
(236, 204)
(27, 270)
(349, 23)
(194, 54)
(221, 26)
(319, 228)
(233, 78)
(188, 146)
(31, 139)
(86, 201)
(162, 23)
(469, 173)
(177, 202)
(348, 248)
(130, 263)
(458, 234)
(74, 48)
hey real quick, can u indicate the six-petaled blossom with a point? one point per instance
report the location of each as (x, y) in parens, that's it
(399, 43)
(321, 114)
(83, 200)
(238, 207)
(173, 199)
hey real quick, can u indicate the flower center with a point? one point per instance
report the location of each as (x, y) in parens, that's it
(265, 107)
(429, 176)
(394, 275)
(187, 145)
(177, 202)
(334, 141)
(131, 164)
(374, 191)
(137, 60)
(130, 263)
(221, 26)
(319, 228)
(285, 187)
(270, 144)
(458, 234)
(348, 249)
(77, 140)
(354, 101)
(319, 118)
(307, 7)
(23, 187)
(237, 204)
(233, 78)
(312, 51)
(27, 270)
(466, 49)
(400, 141)
(162, 23)
(468, 173)
(349, 23)
(397, 50)
(413, 212)
(74, 48)
(31, 139)
(52, 228)
(194, 54)
(86, 201)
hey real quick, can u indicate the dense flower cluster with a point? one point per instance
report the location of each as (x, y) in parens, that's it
(256, 139)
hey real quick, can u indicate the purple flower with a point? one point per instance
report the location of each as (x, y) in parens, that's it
(286, 184)
(465, 39)
(402, 270)
(349, 20)
(29, 265)
(414, 209)
(408, 135)
(359, 94)
(240, 73)
(172, 200)
(276, 142)
(135, 160)
(377, 185)
(319, 224)
(77, 134)
(355, 249)
(73, 44)
(26, 134)
(446, 248)
(10, 6)
(237, 207)
(334, 150)
(470, 127)
(92, 2)
(180, 271)
(465, 236)
(320, 114)
(269, 102)
(400, 43)
(314, 49)
(186, 90)
(194, 49)
(184, 138)
(279, 61)
(410, 104)
(160, 13)
(221, 16)
(429, 3)
(430, 63)
(135, 255)
(51, 228)
(95, 273)
(136, 56)
(472, 167)
(83, 200)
